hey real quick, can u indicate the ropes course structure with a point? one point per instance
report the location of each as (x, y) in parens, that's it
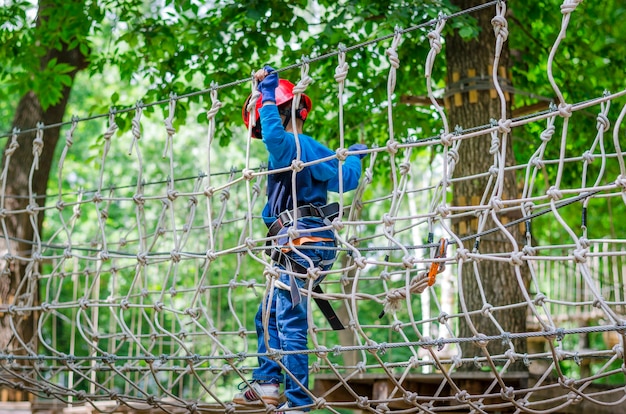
(144, 296)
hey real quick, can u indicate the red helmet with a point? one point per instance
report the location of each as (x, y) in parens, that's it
(284, 94)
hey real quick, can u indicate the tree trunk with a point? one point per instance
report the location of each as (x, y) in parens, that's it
(21, 220)
(465, 60)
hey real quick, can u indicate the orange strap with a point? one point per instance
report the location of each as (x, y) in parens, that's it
(306, 239)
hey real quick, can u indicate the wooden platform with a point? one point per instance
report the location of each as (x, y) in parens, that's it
(378, 389)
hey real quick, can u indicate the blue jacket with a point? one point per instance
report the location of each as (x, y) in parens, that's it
(312, 183)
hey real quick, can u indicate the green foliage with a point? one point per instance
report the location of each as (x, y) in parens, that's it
(592, 53)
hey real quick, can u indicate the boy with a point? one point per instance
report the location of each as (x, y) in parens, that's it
(288, 325)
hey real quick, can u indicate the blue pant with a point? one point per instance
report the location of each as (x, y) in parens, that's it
(287, 330)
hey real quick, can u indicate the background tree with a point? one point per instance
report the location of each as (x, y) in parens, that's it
(479, 107)
(60, 27)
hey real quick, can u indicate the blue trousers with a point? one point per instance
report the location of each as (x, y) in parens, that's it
(287, 329)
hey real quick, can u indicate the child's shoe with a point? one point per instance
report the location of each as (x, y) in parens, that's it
(257, 393)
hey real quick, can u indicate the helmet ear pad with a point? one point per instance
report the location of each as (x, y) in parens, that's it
(285, 110)
(302, 113)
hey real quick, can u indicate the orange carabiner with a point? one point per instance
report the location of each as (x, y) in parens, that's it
(437, 267)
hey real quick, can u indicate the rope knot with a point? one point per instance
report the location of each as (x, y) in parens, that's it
(554, 193)
(322, 351)
(434, 38)
(252, 103)
(12, 148)
(337, 224)
(461, 396)
(453, 154)
(619, 352)
(447, 139)
(302, 84)
(529, 250)
(504, 126)
(405, 168)
(462, 254)
(363, 402)
(225, 195)
(537, 162)
(500, 27)
(585, 242)
(360, 262)
(443, 211)
(496, 204)
(297, 165)
(540, 299)
(392, 146)
(293, 233)
(248, 174)
(142, 258)
(175, 256)
(603, 123)
(565, 110)
(495, 144)
(209, 191)
(410, 397)
(481, 339)
(388, 220)
(169, 126)
(342, 154)
(172, 195)
(313, 273)
(569, 6)
(580, 255)
(32, 209)
(508, 393)
(138, 199)
(341, 72)
(396, 326)
(516, 259)
(547, 133)
(393, 58)
(588, 157)
(215, 107)
(320, 403)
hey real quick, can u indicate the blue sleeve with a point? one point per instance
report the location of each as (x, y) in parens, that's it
(280, 145)
(351, 173)
(282, 150)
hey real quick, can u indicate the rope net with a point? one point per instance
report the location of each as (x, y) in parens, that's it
(145, 294)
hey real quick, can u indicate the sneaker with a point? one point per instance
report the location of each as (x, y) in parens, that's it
(257, 394)
(284, 409)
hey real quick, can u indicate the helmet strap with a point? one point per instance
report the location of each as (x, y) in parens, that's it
(287, 120)
(285, 110)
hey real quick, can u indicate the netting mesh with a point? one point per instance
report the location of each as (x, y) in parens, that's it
(147, 289)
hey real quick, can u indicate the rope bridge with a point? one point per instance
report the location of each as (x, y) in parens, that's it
(143, 295)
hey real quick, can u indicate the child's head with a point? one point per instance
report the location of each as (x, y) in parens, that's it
(284, 100)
